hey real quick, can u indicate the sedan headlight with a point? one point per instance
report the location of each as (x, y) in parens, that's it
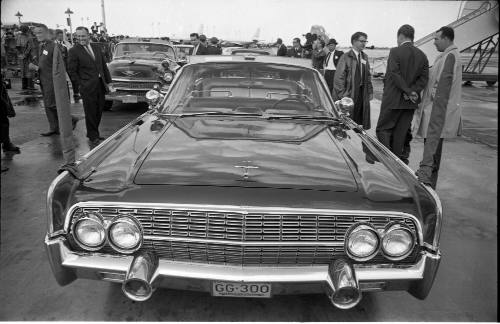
(125, 234)
(89, 231)
(397, 241)
(168, 76)
(362, 242)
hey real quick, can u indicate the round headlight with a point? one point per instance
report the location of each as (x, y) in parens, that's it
(362, 242)
(397, 242)
(89, 231)
(168, 76)
(125, 234)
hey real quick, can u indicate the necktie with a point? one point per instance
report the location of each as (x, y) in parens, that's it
(327, 59)
(357, 74)
(87, 47)
(360, 66)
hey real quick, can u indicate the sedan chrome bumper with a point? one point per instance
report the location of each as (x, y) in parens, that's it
(68, 265)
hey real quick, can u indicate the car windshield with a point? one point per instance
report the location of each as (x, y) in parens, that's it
(248, 88)
(249, 52)
(144, 51)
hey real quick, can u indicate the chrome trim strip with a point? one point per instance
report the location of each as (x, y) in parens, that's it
(240, 243)
(132, 89)
(135, 80)
(48, 207)
(439, 217)
(243, 210)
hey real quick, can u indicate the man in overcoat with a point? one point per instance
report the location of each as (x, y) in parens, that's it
(44, 66)
(52, 73)
(406, 76)
(353, 80)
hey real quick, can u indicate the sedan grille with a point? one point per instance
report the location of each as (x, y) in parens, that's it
(135, 85)
(253, 238)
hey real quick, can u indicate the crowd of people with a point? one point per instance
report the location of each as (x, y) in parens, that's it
(52, 58)
(412, 92)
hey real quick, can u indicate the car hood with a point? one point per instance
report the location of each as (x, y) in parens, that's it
(247, 154)
(134, 68)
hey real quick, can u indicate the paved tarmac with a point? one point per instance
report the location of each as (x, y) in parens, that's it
(465, 288)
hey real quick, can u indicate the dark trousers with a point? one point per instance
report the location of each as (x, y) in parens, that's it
(393, 130)
(74, 86)
(357, 113)
(4, 130)
(93, 104)
(27, 83)
(437, 162)
(329, 76)
(51, 113)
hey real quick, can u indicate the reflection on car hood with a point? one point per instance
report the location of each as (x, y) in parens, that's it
(125, 68)
(308, 159)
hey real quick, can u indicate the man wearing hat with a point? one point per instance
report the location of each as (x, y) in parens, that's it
(281, 47)
(213, 49)
(330, 63)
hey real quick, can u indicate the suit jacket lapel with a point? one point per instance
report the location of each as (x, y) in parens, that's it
(89, 57)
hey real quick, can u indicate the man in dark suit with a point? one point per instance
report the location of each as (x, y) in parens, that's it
(87, 67)
(213, 48)
(281, 47)
(296, 50)
(406, 76)
(330, 63)
(199, 48)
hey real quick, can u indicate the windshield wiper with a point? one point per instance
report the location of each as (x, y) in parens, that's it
(212, 113)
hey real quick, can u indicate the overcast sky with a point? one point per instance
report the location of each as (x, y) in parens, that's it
(239, 19)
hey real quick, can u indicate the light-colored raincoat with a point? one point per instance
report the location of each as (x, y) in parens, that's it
(439, 95)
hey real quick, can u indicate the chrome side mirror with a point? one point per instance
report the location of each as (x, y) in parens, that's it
(153, 97)
(345, 105)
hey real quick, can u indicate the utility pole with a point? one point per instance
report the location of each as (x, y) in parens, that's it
(103, 16)
(69, 13)
(19, 15)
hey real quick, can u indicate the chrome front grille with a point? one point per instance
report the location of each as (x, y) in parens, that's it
(134, 85)
(246, 238)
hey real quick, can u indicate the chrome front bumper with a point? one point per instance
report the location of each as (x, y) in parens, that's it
(126, 98)
(68, 265)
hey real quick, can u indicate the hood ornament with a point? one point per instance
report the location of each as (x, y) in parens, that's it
(246, 169)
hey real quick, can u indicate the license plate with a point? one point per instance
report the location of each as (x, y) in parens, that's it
(240, 289)
(130, 99)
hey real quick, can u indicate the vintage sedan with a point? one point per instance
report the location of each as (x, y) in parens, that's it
(183, 50)
(138, 66)
(245, 180)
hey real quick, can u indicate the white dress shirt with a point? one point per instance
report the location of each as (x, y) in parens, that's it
(329, 62)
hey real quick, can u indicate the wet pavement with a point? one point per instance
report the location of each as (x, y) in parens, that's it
(465, 288)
